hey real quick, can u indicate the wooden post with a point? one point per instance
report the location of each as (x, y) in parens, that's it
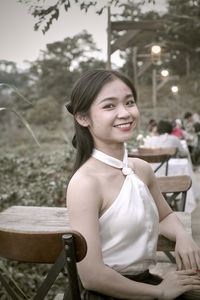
(135, 80)
(154, 92)
(187, 61)
(108, 65)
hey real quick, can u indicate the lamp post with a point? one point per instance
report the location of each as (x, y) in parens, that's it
(155, 57)
(175, 90)
(155, 53)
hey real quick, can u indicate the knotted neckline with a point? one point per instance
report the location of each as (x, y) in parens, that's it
(114, 162)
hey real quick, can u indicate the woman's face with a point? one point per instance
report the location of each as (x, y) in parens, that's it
(113, 114)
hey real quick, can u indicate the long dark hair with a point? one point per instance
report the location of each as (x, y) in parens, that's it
(83, 94)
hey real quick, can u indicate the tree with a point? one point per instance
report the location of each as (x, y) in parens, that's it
(54, 73)
(10, 74)
(182, 34)
(46, 14)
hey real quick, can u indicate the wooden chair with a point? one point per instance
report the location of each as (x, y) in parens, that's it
(34, 234)
(155, 155)
(45, 246)
(174, 189)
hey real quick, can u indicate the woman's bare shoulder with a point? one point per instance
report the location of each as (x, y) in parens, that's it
(84, 176)
(84, 184)
(137, 163)
(142, 169)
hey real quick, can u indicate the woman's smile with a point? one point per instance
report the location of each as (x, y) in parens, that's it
(124, 126)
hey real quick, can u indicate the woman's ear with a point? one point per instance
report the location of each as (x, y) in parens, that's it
(83, 120)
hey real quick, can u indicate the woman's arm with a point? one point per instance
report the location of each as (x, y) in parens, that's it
(187, 253)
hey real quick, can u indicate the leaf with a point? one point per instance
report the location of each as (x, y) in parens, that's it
(16, 91)
(23, 121)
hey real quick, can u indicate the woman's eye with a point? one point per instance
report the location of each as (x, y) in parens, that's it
(130, 102)
(108, 106)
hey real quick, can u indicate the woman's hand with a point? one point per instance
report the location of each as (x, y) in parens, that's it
(177, 283)
(187, 253)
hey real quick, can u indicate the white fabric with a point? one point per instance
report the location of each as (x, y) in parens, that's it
(129, 227)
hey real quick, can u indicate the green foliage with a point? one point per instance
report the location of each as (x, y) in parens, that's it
(45, 110)
(38, 179)
(60, 65)
(47, 14)
(9, 74)
(24, 122)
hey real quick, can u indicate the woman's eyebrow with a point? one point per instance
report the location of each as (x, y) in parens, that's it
(114, 98)
(107, 99)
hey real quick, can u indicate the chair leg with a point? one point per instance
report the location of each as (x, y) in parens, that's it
(71, 267)
(170, 256)
(183, 200)
(159, 166)
(51, 276)
(10, 291)
(167, 166)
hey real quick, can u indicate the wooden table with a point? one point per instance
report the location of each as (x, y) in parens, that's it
(33, 234)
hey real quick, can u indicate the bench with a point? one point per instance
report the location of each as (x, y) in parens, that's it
(34, 234)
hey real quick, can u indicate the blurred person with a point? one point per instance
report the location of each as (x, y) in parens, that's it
(177, 129)
(152, 127)
(164, 139)
(195, 153)
(189, 120)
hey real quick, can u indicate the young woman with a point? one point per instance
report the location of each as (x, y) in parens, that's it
(115, 202)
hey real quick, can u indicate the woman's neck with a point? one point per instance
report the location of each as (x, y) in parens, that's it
(116, 150)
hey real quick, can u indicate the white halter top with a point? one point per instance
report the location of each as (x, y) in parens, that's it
(129, 227)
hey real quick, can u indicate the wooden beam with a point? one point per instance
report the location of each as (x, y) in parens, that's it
(143, 25)
(122, 41)
(108, 64)
(145, 66)
(162, 83)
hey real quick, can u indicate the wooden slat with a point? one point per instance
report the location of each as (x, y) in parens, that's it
(151, 158)
(122, 41)
(174, 184)
(144, 150)
(33, 234)
(143, 25)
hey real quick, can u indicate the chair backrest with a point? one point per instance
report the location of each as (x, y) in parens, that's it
(59, 249)
(157, 151)
(173, 186)
(155, 155)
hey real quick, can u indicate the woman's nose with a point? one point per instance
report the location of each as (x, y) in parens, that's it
(123, 112)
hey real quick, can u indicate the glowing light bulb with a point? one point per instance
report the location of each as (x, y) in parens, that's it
(156, 49)
(174, 89)
(165, 73)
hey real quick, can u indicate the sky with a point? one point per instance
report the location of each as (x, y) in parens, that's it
(20, 43)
